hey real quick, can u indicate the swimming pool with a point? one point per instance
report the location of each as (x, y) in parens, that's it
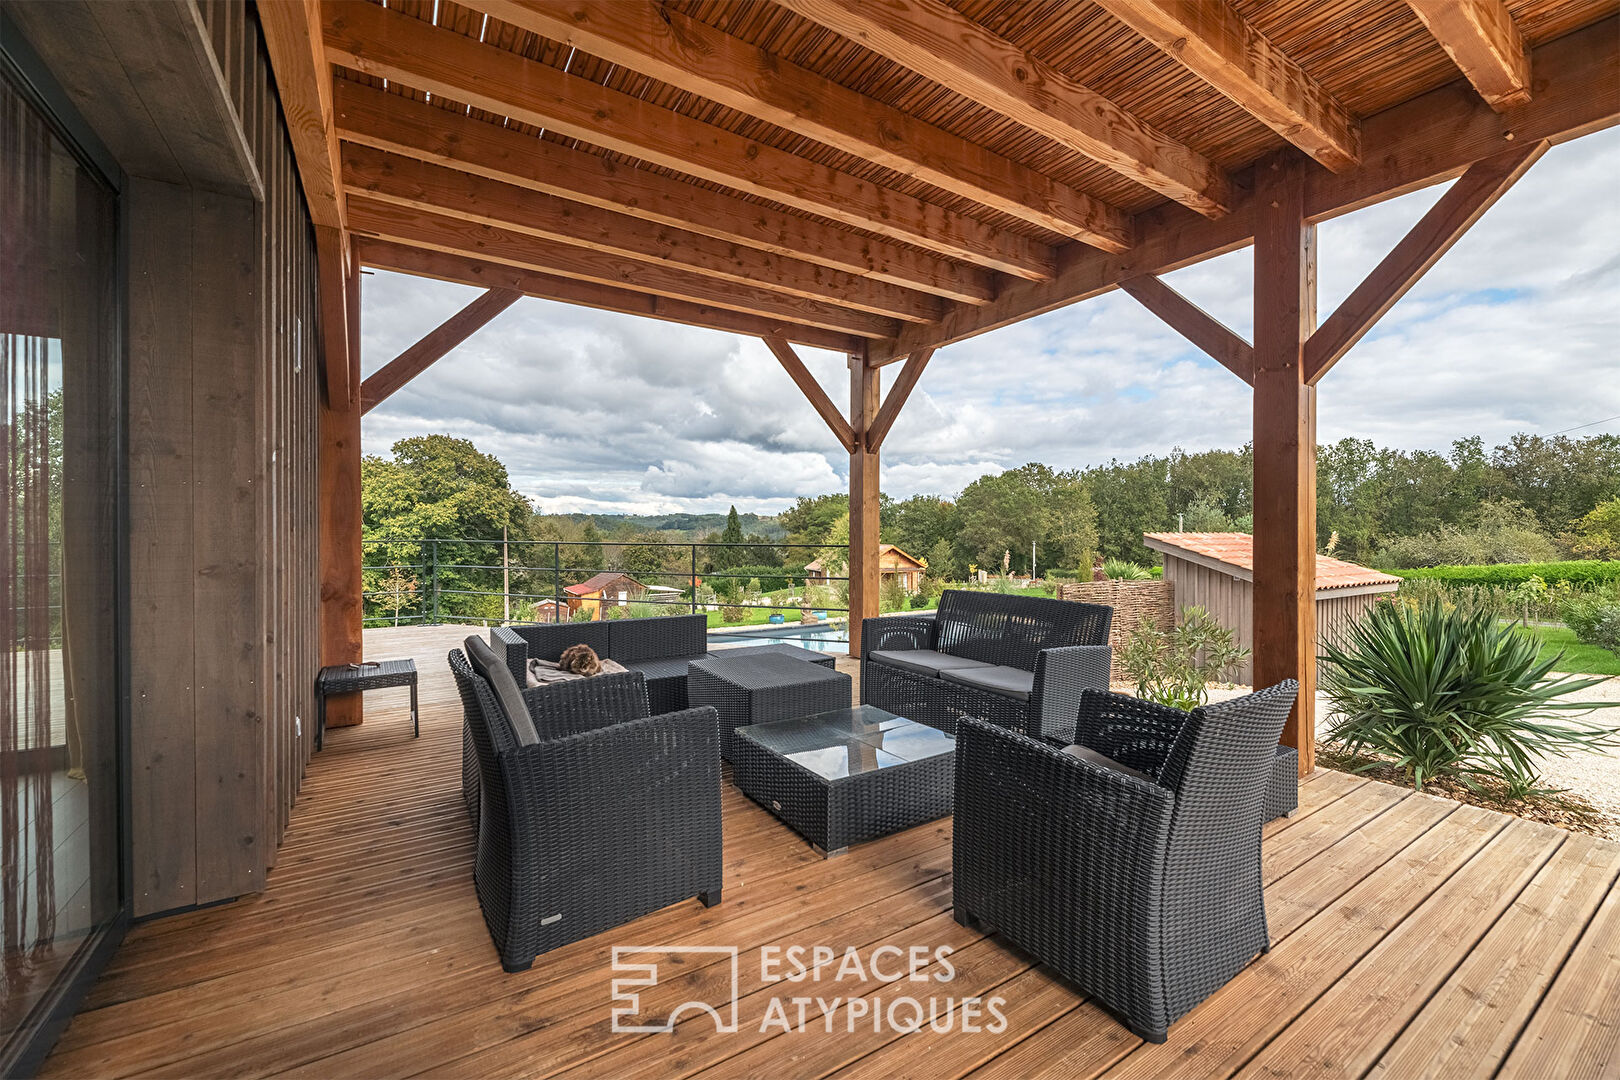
(819, 637)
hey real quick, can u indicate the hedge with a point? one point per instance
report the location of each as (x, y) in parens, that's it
(1587, 572)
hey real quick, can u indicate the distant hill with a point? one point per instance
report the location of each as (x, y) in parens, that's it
(688, 526)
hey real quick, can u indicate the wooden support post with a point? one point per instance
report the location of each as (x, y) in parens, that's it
(1285, 448)
(863, 499)
(342, 611)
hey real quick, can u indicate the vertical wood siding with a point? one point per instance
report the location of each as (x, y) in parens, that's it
(223, 535)
(1231, 601)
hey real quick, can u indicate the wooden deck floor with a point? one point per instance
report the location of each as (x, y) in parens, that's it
(1413, 937)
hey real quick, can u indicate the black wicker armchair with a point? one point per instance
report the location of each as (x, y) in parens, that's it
(1129, 862)
(591, 812)
(1017, 661)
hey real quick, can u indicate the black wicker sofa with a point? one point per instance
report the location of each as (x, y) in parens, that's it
(590, 810)
(658, 648)
(1017, 661)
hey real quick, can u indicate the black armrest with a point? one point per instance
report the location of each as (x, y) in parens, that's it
(1062, 676)
(509, 645)
(568, 708)
(898, 632)
(1128, 729)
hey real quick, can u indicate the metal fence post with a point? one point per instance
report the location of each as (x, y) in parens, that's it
(694, 579)
(556, 581)
(435, 579)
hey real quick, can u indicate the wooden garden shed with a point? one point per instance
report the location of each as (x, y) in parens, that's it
(1216, 571)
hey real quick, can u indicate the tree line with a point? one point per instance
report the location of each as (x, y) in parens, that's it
(1530, 498)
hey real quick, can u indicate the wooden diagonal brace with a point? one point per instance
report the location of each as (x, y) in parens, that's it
(434, 345)
(1195, 324)
(898, 393)
(1463, 203)
(811, 389)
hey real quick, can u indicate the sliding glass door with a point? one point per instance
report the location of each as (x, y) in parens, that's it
(61, 404)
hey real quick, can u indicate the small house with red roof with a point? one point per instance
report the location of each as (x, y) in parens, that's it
(604, 590)
(1215, 571)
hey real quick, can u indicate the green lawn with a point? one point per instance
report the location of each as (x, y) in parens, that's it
(1578, 659)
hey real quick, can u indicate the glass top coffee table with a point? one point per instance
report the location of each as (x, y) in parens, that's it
(847, 776)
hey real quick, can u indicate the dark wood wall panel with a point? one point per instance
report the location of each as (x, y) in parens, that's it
(223, 395)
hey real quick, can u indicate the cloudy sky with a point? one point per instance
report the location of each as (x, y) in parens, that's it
(1516, 329)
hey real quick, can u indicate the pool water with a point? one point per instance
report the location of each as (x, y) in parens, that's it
(817, 637)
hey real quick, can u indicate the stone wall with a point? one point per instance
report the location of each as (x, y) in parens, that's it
(1134, 602)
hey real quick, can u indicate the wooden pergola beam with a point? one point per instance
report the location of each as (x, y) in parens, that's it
(367, 116)
(904, 383)
(440, 233)
(946, 47)
(1475, 192)
(434, 345)
(331, 277)
(654, 40)
(443, 266)
(417, 184)
(865, 501)
(1194, 323)
(385, 43)
(1214, 42)
(292, 37)
(1430, 138)
(1284, 586)
(1482, 40)
(811, 389)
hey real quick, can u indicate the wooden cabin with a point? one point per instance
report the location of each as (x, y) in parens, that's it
(608, 589)
(1215, 571)
(892, 563)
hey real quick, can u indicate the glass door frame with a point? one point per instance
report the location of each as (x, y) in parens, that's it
(37, 1034)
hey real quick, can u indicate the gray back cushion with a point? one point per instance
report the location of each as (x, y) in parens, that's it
(507, 695)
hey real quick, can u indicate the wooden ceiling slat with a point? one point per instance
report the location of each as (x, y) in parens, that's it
(438, 232)
(444, 266)
(683, 52)
(935, 41)
(372, 118)
(407, 182)
(372, 39)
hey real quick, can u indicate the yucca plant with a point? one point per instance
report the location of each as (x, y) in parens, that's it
(1445, 692)
(1125, 570)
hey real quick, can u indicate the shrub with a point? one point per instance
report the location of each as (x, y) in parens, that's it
(1445, 692)
(1175, 668)
(1501, 532)
(1125, 570)
(891, 594)
(733, 613)
(1576, 573)
(1595, 620)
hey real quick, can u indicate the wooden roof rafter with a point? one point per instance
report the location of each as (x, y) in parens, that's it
(387, 44)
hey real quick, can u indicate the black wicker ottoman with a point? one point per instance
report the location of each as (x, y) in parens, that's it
(753, 686)
(847, 776)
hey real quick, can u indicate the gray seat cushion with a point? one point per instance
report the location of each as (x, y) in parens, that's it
(1086, 753)
(1008, 681)
(507, 695)
(924, 661)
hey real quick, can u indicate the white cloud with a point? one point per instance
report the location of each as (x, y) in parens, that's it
(1516, 329)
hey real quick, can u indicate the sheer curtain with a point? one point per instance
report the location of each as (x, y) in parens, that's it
(59, 456)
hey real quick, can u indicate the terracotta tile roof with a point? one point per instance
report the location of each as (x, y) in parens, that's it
(1237, 549)
(598, 583)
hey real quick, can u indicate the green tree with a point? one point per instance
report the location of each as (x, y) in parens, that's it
(1597, 535)
(429, 505)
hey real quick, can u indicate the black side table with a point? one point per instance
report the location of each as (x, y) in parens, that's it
(752, 686)
(354, 678)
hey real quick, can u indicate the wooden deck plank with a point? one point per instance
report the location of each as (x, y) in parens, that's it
(1470, 1024)
(367, 955)
(1576, 1031)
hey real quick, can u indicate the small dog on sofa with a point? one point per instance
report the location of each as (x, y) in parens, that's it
(576, 662)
